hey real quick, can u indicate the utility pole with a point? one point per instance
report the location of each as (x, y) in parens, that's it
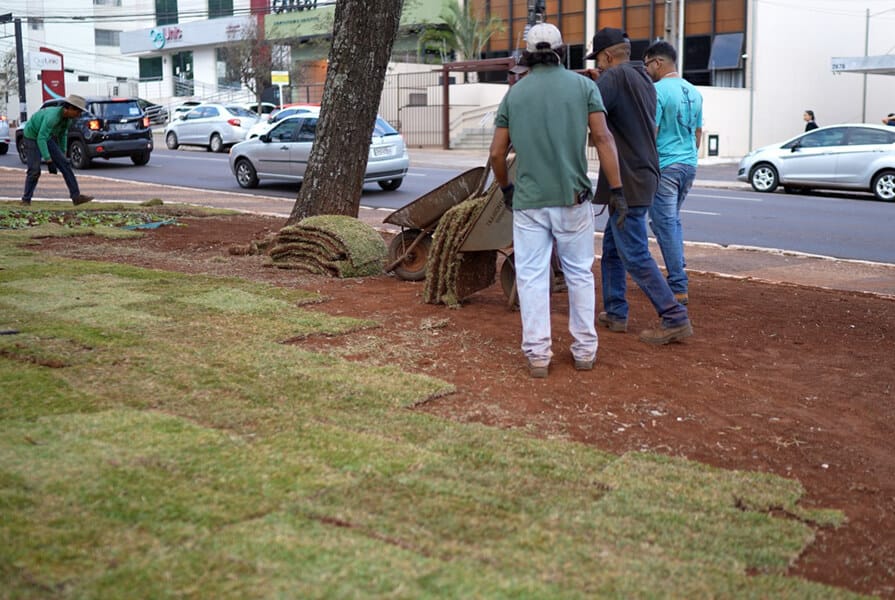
(20, 65)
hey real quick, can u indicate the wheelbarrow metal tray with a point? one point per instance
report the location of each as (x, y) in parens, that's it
(428, 208)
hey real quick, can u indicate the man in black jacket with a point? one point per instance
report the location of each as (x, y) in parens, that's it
(630, 100)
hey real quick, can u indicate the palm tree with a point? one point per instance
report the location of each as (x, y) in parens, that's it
(468, 32)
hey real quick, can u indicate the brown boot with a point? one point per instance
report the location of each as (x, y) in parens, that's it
(81, 199)
(665, 335)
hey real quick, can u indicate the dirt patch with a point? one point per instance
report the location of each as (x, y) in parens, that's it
(790, 380)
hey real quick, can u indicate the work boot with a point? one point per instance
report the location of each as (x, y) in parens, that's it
(26, 202)
(682, 298)
(665, 335)
(584, 365)
(537, 371)
(612, 324)
(81, 199)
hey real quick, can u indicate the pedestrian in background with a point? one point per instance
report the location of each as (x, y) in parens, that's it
(889, 119)
(630, 99)
(808, 117)
(45, 139)
(546, 116)
(679, 130)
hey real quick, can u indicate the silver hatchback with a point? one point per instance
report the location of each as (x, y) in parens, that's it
(215, 126)
(282, 153)
(857, 157)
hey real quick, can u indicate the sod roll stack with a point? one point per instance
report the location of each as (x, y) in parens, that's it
(451, 275)
(333, 245)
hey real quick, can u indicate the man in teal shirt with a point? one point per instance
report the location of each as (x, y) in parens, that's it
(45, 140)
(679, 130)
(547, 115)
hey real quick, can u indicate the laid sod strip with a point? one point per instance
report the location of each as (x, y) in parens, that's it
(332, 245)
(158, 439)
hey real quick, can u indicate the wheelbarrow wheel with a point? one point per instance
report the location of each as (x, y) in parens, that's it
(508, 279)
(412, 267)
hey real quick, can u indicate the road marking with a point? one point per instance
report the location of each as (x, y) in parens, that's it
(701, 212)
(723, 197)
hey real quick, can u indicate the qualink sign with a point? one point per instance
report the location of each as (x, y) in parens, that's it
(314, 18)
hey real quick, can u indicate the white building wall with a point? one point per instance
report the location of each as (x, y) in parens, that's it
(794, 41)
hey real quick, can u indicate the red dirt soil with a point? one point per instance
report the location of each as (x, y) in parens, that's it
(790, 380)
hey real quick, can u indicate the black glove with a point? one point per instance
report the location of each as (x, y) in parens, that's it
(51, 167)
(619, 206)
(508, 196)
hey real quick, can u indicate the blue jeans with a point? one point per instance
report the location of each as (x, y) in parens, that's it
(627, 251)
(34, 159)
(534, 231)
(665, 220)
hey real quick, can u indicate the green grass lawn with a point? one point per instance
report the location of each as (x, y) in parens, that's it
(157, 440)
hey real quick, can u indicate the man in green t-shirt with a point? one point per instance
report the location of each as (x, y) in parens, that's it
(547, 115)
(45, 140)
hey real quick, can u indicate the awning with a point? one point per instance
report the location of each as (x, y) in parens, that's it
(876, 65)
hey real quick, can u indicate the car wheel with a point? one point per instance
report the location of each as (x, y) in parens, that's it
(140, 158)
(391, 184)
(4, 148)
(246, 176)
(78, 155)
(884, 186)
(764, 178)
(216, 144)
(20, 148)
(171, 141)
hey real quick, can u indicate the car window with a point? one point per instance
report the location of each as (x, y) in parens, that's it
(115, 110)
(382, 128)
(196, 113)
(210, 111)
(821, 138)
(240, 111)
(287, 131)
(860, 136)
(308, 130)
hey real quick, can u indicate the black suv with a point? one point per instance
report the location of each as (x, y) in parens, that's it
(110, 128)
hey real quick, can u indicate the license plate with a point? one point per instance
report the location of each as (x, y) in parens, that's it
(122, 126)
(382, 151)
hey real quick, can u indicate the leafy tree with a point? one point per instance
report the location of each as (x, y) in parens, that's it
(251, 59)
(363, 34)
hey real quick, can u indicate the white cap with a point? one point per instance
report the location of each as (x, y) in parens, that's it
(543, 33)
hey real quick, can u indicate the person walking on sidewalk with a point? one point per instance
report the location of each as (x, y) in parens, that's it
(679, 130)
(547, 116)
(630, 100)
(808, 117)
(45, 139)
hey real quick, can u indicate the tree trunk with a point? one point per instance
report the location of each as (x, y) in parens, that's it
(363, 34)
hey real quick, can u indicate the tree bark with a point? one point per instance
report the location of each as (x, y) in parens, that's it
(363, 34)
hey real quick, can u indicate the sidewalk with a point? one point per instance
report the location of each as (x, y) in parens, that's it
(739, 262)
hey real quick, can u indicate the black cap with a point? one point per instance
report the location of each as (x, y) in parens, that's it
(606, 37)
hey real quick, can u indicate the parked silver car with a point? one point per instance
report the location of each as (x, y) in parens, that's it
(215, 126)
(4, 135)
(283, 153)
(839, 157)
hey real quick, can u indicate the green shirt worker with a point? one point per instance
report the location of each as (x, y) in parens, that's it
(45, 140)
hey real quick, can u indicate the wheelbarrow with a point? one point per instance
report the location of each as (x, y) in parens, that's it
(409, 250)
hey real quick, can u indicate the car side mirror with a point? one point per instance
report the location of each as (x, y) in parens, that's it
(264, 138)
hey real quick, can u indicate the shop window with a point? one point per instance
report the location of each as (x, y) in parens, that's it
(151, 69)
(727, 51)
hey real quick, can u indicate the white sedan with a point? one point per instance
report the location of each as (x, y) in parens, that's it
(283, 153)
(858, 157)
